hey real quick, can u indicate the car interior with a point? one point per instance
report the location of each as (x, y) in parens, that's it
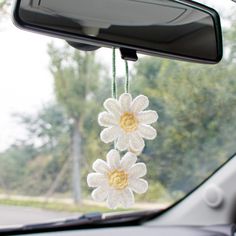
(181, 54)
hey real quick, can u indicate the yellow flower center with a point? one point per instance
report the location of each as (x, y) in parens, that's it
(128, 122)
(118, 179)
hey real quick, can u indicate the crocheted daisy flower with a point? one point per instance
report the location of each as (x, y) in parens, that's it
(127, 123)
(115, 180)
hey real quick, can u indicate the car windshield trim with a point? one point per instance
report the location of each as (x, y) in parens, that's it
(86, 221)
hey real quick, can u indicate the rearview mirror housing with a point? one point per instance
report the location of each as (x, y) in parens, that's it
(177, 29)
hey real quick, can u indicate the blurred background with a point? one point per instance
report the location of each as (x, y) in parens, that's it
(51, 94)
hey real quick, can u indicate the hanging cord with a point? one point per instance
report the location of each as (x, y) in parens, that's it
(114, 86)
(127, 77)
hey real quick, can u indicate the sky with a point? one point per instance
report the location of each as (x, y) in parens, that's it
(25, 81)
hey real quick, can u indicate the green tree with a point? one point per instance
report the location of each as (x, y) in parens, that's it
(194, 118)
(47, 135)
(4, 5)
(12, 171)
(76, 78)
(47, 130)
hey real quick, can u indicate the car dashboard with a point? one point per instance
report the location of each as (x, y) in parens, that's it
(217, 230)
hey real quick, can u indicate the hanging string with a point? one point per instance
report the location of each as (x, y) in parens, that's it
(114, 86)
(127, 77)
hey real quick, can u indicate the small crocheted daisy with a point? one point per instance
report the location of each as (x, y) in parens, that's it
(127, 123)
(116, 179)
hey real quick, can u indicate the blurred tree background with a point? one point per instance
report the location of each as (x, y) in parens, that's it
(196, 106)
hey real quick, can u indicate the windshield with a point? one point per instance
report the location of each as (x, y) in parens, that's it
(50, 98)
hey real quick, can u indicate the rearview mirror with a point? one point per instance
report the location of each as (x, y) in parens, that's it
(169, 28)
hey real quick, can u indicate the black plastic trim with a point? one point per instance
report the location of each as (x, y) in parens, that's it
(82, 46)
(128, 54)
(106, 43)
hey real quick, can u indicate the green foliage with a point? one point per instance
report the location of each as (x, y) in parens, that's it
(33, 163)
(3, 3)
(155, 191)
(11, 168)
(196, 107)
(47, 128)
(194, 119)
(76, 77)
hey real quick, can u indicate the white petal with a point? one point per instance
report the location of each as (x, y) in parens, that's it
(99, 194)
(139, 103)
(125, 101)
(139, 185)
(127, 198)
(106, 119)
(123, 142)
(110, 134)
(113, 199)
(137, 170)
(113, 106)
(135, 152)
(128, 160)
(147, 132)
(95, 180)
(136, 142)
(147, 117)
(100, 166)
(113, 159)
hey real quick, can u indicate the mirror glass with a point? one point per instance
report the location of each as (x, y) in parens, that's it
(157, 27)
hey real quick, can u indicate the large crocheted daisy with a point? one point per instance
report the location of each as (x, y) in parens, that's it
(127, 123)
(115, 180)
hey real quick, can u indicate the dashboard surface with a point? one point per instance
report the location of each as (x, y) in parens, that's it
(221, 230)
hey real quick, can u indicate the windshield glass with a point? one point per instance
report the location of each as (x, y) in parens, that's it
(50, 98)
